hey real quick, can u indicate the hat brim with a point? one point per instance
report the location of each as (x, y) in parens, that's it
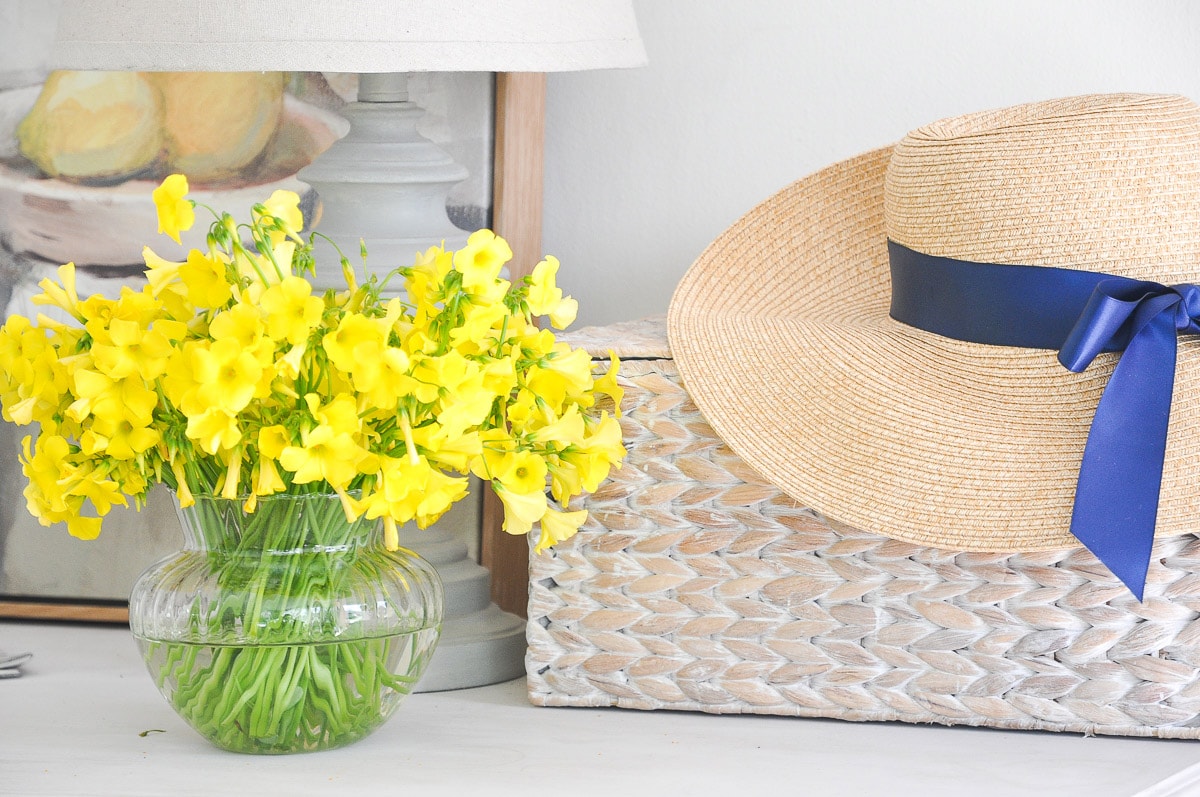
(781, 334)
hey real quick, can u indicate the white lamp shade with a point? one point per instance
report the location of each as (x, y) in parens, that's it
(340, 36)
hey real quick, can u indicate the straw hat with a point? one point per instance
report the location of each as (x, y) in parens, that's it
(782, 334)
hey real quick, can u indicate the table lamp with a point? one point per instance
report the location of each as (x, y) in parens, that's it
(382, 182)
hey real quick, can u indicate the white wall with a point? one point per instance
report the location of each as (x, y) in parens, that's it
(644, 167)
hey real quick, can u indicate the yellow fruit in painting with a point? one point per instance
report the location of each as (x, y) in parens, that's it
(217, 123)
(93, 125)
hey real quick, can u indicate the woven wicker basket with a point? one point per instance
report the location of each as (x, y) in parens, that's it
(696, 585)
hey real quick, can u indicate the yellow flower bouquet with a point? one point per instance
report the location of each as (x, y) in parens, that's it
(229, 380)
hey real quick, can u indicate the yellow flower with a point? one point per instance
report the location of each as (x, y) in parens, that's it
(439, 494)
(480, 262)
(451, 378)
(424, 281)
(340, 414)
(42, 465)
(562, 373)
(563, 314)
(58, 489)
(285, 206)
(500, 377)
(228, 375)
(479, 329)
(391, 379)
(453, 452)
(521, 472)
(98, 314)
(599, 451)
(114, 400)
(324, 455)
(160, 273)
(132, 349)
(33, 378)
(546, 298)
(182, 491)
(466, 405)
(357, 342)
(565, 431)
(266, 478)
(215, 430)
(522, 408)
(119, 439)
(165, 285)
(495, 446)
(558, 526)
(521, 510)
(608, 385)
(102, 492)
(83, 528)
(565, 482)
(243, 324)
(410, 489)
(60, 294)
(292, 311)
(231, 479)
(205, 280)
(536, 344)
(398, 489)
(175, 214)
(272, 440)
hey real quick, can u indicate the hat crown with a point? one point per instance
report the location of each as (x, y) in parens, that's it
(1107, 183)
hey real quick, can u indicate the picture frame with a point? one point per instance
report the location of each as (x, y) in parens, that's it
(66, 590)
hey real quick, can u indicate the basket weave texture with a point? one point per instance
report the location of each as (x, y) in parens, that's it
(696, 585)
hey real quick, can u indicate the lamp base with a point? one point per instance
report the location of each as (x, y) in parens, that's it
(384, 184)
(480, 644)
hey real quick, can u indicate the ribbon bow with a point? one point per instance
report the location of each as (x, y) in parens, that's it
(1079, 314)
(1116, 500)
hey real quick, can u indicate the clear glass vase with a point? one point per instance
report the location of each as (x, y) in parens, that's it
(287, 629)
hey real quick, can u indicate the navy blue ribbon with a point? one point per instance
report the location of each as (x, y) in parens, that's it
(1081, 314)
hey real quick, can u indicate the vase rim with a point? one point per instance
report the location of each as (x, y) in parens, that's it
(243, 497)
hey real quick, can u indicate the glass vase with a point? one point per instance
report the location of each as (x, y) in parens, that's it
(288, 629)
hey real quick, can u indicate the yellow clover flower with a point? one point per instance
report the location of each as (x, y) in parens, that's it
(292, 311)
(480, 262)
(206, 282)
(175, 213)
(62, 294)
(557, 526)
(521, 510)
(284, 207)
(324, 454)
(546, 298)
(608, 385)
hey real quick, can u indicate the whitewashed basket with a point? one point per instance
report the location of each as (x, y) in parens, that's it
(696, 585)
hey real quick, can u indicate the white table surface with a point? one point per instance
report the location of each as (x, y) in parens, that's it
(71, 726)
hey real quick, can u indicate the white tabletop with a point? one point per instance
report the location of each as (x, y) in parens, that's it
(72, 725)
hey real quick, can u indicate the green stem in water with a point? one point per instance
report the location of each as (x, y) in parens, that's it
(290, 683)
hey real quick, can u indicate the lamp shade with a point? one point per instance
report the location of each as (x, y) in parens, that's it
(361, 36)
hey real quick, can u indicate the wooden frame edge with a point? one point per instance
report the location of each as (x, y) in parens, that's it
(517, 173)
(47, 609)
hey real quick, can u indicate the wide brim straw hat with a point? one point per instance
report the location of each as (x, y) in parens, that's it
(782, 334)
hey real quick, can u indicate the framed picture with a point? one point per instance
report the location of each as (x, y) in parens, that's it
(490, 124)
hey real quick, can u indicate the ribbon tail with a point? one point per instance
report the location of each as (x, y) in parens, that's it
(1116, 500)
